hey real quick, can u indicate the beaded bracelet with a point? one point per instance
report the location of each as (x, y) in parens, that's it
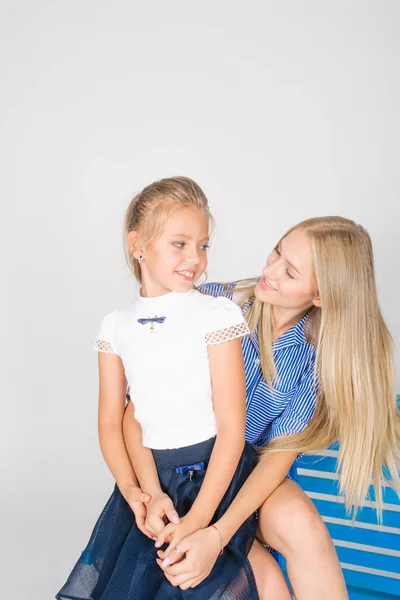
(220, 539)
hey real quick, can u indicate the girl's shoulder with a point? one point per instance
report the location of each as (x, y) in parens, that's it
(105, 340)
(214, 300)
(228, 290)
(111, 318)
(220, 314)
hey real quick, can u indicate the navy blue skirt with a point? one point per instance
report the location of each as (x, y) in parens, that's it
(119, 562)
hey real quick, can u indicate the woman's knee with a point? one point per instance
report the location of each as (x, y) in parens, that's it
(290, 522)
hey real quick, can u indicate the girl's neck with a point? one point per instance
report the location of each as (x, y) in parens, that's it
(283, 319)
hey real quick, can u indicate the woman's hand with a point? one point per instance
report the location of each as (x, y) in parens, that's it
(200, 550)
(137, 500)
(174, 534)
(159, 509)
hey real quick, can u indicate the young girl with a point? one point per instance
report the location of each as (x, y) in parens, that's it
(316, 304)
(179, 352)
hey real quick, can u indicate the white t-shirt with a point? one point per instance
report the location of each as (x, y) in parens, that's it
(166, 361)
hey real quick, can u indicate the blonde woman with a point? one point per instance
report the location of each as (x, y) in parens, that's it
(318, 334)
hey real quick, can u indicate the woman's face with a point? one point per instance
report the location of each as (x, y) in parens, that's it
(288, 279)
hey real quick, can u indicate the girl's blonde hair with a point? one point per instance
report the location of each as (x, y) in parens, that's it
(356, 402)
(151, 208)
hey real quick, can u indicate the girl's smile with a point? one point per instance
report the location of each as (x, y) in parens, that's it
(186, 275)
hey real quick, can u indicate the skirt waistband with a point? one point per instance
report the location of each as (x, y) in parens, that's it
(176, 457)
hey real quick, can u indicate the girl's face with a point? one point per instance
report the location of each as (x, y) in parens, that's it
(288, 280)
(177, 257)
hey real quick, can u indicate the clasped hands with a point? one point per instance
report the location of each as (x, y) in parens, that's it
(192, 548)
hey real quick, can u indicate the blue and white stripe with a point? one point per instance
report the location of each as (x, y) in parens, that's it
(288, 406)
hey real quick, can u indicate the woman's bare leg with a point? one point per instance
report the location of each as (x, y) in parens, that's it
(270, 581)
(290, 523)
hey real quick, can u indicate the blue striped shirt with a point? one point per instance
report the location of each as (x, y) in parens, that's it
(289, 405)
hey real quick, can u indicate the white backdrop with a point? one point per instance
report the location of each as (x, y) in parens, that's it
(280, 110)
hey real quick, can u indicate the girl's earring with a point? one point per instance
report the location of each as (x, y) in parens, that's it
(140, 259)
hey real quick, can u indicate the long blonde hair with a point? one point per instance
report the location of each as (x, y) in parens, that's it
(356, 401)
(149, 210)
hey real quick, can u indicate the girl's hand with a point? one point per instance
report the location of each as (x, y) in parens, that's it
(159, 509)
(174, 534)
(137, 501)
(201, 551)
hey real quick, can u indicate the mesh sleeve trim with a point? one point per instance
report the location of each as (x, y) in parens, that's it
(102, 346)
(225, 335)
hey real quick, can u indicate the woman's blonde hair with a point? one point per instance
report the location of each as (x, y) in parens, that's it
(356, 401)
(149, 210)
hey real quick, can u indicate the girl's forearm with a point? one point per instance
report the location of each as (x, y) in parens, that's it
(229, 396)
(223, 462)
(265, 478)
(114, 452)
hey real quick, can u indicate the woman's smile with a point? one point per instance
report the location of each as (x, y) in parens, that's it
(265, 284)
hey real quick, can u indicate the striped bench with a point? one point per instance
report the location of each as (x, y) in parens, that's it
(369, 553)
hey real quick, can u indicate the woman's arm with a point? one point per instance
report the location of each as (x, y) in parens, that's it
(272, 468)
(264, 479)
(112, 388)
(142, 459)
(149, 518)
(159, 505)
(229, 393)
(201, 549)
